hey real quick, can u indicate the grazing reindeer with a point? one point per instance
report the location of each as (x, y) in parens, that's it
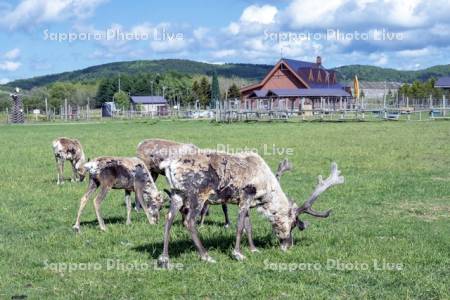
(154, 151)
(129, 174)
(71, 150)
(242, 179)
(283, 167)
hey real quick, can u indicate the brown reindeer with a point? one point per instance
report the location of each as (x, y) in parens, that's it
(71, 150)
(129, 174)
(154, 151)
(242, 179)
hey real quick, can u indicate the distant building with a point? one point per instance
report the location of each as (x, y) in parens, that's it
(108, 109)
(293, 83)
(155, 105)
(377, 89)
(443, 83)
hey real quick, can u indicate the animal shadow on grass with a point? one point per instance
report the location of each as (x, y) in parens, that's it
(217, 242)
(109, 220)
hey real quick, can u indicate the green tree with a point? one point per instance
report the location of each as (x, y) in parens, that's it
(215, 90)
(204, 92)
(59, 92)
(122, 100)
(233, 92)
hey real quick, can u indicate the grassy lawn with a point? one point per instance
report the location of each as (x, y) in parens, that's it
(392, 213)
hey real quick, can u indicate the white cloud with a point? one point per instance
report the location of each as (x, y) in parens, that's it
(170, 46)
(259, 14)
(12, 54)
(312, 12)
(29, 13)
(4, 80)
(345, 13)
(9, 65)
(224, 53)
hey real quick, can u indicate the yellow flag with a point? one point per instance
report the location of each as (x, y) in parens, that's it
(356, 87)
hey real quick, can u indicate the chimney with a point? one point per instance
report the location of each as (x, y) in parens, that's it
(319, 60)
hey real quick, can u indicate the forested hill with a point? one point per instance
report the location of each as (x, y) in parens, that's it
(185, 67)
(372, 73)
(250, 72)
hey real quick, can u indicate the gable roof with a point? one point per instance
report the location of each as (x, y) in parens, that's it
(148, 100)
(303, 70)
(299, 64)
(274, 69)
(443, 82)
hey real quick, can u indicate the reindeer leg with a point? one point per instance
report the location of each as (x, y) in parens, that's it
(175, 204)
(249, 230)
(74, 172)
(140, 198)
(194, 235)
(128, 204)
(91, 189)
(240, 227)
(60, 167)
(97, 202)
(203, 214)
(225, 213)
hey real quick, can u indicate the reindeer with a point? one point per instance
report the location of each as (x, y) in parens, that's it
(129, 174)
(283, 167)
(154, 151)
(242, 179)
(71, 150)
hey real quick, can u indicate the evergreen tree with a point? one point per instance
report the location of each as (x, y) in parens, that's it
(215, 90)
(205, 92)
(233, 92)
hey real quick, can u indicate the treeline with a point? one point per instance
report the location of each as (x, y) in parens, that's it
(176, 88)
(76, 94)
(422, 90)
(378, 74)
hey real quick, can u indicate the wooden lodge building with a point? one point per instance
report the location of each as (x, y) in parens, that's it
(294, 85)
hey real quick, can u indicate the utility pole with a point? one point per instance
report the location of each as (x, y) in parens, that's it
(46, 108)
(119, 82)
(151, 84)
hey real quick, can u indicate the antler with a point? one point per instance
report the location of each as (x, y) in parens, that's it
(322, 186)
(283, 167)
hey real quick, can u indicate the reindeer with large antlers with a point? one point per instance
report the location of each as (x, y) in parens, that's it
(242, 179)
(283, 167)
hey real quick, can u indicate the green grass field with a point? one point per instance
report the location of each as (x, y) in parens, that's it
(392, 212)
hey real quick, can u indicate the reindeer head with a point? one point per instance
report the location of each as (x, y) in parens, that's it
(154, 200)
(292, 220)
(81, 170)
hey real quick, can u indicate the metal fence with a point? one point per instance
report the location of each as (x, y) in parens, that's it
(232, 111)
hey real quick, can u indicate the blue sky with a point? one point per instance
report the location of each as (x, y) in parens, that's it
(402, 34)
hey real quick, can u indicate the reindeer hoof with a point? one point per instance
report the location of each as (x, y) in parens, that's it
(163, 262)
(128, 223)
(254, 250)
(76, 228)
(227, 225)
(238, 255)
(208, 259)
(103, 228)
